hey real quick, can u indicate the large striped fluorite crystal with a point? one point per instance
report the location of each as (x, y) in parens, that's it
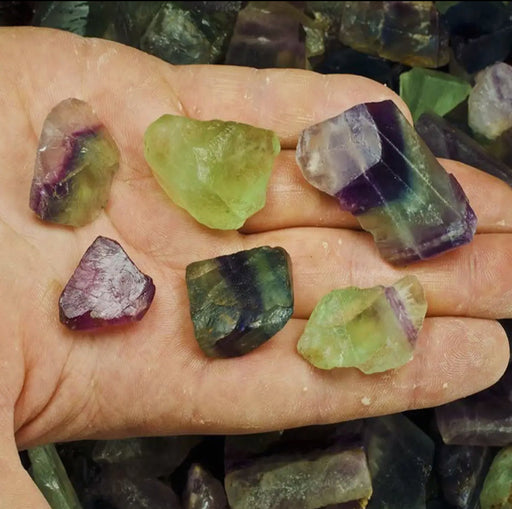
(239, 301)
(373, 161)
(75, 164)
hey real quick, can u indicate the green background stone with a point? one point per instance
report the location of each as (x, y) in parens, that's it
(218, 171)
(497, 490)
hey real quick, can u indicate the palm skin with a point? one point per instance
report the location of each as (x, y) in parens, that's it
(151, 377)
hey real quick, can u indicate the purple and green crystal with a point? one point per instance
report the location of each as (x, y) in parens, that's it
(373, 161)
(239, 301)
(75, 164)
(105, 289)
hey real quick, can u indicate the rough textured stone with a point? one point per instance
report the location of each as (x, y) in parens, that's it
(490, 101)
(51, 478)
(239, 301)
(76, 161)
(446, 140)
(217, 171)
(372, 329)
(105, 289)
(427, 90)
(400, 458)
(497, 490)
(268, 34)
(203, 491)
(375, 164)
(407, 32)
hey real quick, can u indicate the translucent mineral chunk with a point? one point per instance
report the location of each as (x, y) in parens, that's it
(373, 329)
(105, 289)
(76, 161)
(490, 101)
(407, 32)
(203, 491)
(373, 161)
(239, 301)
(217, 171)
(497, 490)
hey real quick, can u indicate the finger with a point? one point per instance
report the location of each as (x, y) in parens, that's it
(468, 281)
(292, 201)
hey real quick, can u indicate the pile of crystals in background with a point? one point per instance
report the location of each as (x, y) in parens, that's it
(449, 62)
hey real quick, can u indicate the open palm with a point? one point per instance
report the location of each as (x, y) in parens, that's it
(151, 377)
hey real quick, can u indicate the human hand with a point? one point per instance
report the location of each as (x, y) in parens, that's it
(151, 377)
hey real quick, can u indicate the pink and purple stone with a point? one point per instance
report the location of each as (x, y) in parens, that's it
(373, 161)
(76, 161)
(105, 289)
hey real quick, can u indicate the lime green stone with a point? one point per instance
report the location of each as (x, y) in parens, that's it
(218, 171)
(426, 90)
(372, 329)
(497, 490)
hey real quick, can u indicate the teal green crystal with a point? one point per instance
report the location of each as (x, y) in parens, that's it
(426, 90)
(218, 171)
(372, 329)
(239, 301)
(52, 479)
(497, 490)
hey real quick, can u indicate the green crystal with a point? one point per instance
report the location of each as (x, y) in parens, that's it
(497, 490)
(52, 479)
(372, 329)
(239, 301)
(218, 171)
(426, 90)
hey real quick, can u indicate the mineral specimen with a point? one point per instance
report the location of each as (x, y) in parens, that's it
(407, 32)
(268, 34)
(306, 469)
(76, 161)
(105, 289)
(145, 457)
(490, 101)
(400, 458)
(218, 171)
(375, 164)
(461, 472)
(51, 478)
(203, 490)
(482, 419)
(446, 140)
(372, 329)
(480, 33)
(427, 90)
(239, 301)
(497, 490)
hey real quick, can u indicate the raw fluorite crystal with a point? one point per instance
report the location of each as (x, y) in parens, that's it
(428, 90)
(203, 491)
(400, 458)
(239, 301)
(482, 419)
(145, 457)
(304, 469)
(480, 33)
(268, 34)
(497, 490)
(490, 101)
(461, 471)
(105, 289)
(407, 32)
(51, 478)
(76, 161)
(446, 140)
(217, 171)
(373, 161)
(373, 329)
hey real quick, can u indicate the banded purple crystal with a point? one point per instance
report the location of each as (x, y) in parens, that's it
(105, 289)
(373, 161)
(76, 161)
